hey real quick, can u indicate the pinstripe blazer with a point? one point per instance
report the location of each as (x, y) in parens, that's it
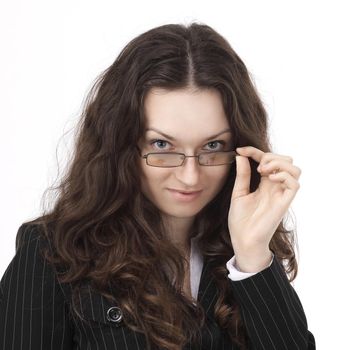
(34, 312)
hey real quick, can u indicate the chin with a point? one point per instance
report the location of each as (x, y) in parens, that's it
(181, 212)
(184, 210)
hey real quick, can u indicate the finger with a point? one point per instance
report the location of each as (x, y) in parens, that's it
(279, 165)
(290, 184)
(250, 151)
(260, 156)
(268, 156)
(242, 181)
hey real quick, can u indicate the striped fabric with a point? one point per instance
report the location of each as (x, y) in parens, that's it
(34, 309)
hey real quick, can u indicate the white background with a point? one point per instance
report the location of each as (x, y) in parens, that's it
(298, 54)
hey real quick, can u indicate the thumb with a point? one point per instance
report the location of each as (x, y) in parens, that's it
(242, 182)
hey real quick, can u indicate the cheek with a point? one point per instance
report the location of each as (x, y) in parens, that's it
(151, 178)
(219, 179)
(220, 175)
(145, 176)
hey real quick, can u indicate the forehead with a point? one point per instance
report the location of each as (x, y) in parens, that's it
(185, 111)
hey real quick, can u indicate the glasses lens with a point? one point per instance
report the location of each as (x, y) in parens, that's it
(164, 159)
(217, 158)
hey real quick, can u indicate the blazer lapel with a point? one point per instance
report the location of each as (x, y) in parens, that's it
(207, 296)
(207, 292)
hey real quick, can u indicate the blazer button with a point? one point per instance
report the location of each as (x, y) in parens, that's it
(114, 314)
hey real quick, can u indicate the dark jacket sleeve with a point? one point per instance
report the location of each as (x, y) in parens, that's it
(272, 312)
(33, 311)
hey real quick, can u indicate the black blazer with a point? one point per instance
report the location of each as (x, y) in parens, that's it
(34, 309)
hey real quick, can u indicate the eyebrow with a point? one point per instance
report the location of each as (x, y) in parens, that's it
(173, 139)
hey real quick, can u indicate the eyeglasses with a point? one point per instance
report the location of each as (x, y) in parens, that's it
(172, 159)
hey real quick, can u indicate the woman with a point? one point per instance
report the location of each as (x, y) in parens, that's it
(167, 232)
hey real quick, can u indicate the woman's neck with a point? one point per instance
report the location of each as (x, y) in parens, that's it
(179, 231)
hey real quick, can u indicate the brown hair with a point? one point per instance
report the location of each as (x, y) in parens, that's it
(105, 231)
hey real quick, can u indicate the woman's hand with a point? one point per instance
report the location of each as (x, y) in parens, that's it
(254, 217)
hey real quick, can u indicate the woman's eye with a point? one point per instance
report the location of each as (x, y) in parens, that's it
(159, 142)
(222, 143)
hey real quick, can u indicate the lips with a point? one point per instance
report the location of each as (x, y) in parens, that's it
(185, 192)
(184, 197)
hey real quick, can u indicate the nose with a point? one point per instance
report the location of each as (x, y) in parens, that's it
(188, 173)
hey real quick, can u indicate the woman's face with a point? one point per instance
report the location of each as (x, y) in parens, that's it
(192, 119)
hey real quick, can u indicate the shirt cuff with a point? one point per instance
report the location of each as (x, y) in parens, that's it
(235, 274)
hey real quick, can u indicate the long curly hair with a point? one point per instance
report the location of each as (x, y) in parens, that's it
(105, 231)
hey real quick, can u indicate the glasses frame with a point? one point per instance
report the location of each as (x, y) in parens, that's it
(185, 156)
